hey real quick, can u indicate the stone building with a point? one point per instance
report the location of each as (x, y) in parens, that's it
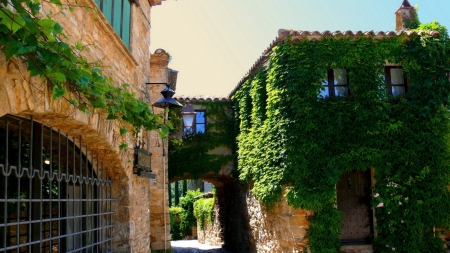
(100, 204)
(283, 228)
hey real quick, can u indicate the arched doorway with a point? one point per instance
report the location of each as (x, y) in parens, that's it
(54, 195)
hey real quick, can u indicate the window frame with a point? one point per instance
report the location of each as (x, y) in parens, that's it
(196, 122)
(388, 79)
(330, 82)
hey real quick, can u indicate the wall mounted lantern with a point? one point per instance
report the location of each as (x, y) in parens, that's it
(167, 101)
(188, 113)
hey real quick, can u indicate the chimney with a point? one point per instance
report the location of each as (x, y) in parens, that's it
(405, 16)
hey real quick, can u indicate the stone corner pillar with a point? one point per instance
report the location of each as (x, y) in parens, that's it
(159, 205)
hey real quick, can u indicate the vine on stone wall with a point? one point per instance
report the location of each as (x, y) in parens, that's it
(190, 156)
(28, 34)
(204, 211)
(291, 137)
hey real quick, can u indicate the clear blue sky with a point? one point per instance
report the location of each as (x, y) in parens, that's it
(213, 43)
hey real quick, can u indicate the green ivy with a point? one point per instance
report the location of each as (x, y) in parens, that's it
(290, 137)
(204, 211)
(175, 220)
(190, 156)
(187, 216)
(26, 33)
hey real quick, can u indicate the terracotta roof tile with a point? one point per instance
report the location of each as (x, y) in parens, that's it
(316, 35)
(201, 98)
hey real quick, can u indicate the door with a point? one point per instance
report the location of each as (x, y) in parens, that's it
(353, 196)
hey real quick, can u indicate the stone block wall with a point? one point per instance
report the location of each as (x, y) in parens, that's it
(24, 96)
(212, 233)
(282, 229)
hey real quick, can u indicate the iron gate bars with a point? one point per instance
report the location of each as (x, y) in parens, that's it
(53, 196)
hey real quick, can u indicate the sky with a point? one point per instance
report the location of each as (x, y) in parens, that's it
(213, 43)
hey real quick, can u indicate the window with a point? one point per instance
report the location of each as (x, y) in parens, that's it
(200, 122)
(395, 81)
(53, 197)
(336, 83)
(118, 14)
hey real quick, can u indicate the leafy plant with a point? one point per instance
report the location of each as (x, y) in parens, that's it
(187, 216)
(290, 137)
(27, 34)
(175, 231)
(204, 211)
(190, 156)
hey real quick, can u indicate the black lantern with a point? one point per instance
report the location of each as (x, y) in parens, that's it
(167, 101)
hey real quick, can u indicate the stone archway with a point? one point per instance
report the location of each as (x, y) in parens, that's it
(23, 96)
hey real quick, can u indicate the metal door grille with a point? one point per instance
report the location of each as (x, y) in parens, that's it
(53, 196)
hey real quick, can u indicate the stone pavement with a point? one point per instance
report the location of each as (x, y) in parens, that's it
(193, 246)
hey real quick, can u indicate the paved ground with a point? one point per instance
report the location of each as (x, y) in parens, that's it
(193, 246)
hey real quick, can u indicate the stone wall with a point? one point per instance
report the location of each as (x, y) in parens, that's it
(282, 229)
(24, 96)
(159, 199)
(212, 233)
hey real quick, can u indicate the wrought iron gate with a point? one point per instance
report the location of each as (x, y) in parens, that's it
(53, 196)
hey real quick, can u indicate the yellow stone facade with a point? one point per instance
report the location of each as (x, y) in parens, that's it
(136, 203)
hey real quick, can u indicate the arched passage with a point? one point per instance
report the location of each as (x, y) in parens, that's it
(229, 210)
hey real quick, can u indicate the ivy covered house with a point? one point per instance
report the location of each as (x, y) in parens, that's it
(346, 136)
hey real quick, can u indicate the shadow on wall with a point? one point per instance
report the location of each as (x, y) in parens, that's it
(234, 221)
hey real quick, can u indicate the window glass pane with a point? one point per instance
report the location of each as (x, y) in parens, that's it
(398, 90)
(340, 76)
(200, 117)
(397, 76)
(200, 128)
(341, 90)
(324, 92)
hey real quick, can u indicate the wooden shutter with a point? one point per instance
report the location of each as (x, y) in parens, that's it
(117, 16)
(126, 22)
(107, 9)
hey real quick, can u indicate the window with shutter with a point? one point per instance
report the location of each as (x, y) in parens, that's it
(118, 14)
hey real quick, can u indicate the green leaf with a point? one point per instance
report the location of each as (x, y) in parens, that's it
(164, 130)
(17, 48)
(57, 77)
(58, 91)
(47, 26)
(13, 21)
(57, 2)
(123, 131)
(123, 146)
(112, 116)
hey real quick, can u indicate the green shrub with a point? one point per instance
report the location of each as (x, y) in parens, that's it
(175, 220)
(204, 211)
(188, 219)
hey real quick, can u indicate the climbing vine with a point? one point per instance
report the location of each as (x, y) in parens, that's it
(291, 137)
(27, 33)
(191, 155)
(204, 211)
